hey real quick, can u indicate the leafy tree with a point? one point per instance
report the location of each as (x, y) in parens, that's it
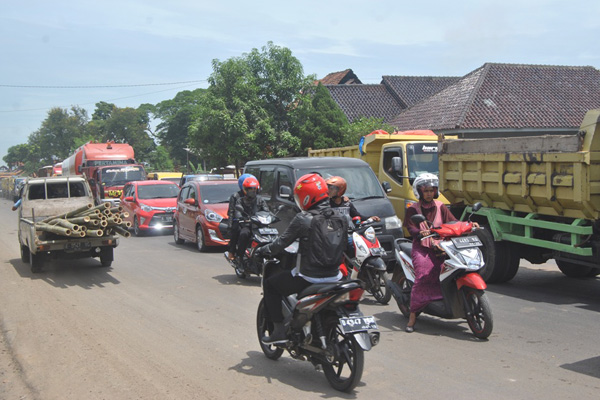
(58, 134)
(23, 154)
(247, 110)
(159, 160)
(363, 126)
(176, 116)
(320, 123)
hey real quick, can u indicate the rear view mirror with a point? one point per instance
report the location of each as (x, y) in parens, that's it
(128, 198)
(191, 202)
(285, 192)
(418, 218)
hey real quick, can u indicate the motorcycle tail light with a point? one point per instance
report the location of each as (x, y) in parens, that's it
(356, 294)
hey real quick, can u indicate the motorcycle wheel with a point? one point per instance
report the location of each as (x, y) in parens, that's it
(479, 313)
(380, 290)
(344, 366)
(264, 327)
(405, 289)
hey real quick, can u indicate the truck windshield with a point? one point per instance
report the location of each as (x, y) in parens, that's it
(146, 192)
(117, 176)
(421, 158)
(362, 182)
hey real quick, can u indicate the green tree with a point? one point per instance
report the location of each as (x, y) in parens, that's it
(58, 134)
(159, 160)
(320, 123)
(363, 126)
(176, 116)
(247, 110)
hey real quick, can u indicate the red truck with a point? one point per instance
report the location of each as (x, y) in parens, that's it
(107, 167)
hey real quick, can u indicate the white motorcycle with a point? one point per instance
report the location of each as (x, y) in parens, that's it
(463, 289)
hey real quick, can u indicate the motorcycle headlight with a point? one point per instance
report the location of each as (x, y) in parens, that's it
(212, 216)
(370, 234)
(146, 207)
(392, 223)
(471, 258)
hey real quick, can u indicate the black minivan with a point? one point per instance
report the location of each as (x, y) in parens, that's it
(277, 177)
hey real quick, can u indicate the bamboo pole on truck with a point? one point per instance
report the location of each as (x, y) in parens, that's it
(78, 234)
(59, 230)
(70, 213)
(80, 220)
(95, 233)
(121, 231)
(65, 224)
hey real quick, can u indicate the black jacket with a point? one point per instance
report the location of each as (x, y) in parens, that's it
(249, 205)
(299, 229)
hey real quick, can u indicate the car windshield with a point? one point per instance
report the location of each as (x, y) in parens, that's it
(146, 192)
(213, 194)
(113, 176)
(421, 158)
(361, 180)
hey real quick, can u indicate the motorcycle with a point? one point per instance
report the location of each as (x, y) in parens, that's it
(463, 289)
(324, 326)
(261, 234)
(367, 263)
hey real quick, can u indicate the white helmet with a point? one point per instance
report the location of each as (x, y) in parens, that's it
(426, 179)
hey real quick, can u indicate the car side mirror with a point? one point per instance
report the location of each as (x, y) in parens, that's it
(190, 201)
(386, 186)
(128, 198)
(285, 192)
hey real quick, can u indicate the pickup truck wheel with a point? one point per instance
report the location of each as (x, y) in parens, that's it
(37, 262)
(106, 256)
(495, 255)
(25, 254)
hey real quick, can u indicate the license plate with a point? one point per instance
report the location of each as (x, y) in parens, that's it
(378, 251)
(268, 231)
(78, 246)
(357, 324)
(466, 241)
(167, 219)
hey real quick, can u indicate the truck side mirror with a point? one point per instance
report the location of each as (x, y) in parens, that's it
(397, 165)
(285, 192)
(386, 186)
(92, 182)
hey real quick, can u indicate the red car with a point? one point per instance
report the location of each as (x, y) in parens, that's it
(150, 205)
(201, 207)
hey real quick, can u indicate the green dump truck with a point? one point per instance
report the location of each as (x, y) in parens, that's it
(397, 159)
(541, 197)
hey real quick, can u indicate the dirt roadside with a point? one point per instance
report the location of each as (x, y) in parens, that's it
(13, 386)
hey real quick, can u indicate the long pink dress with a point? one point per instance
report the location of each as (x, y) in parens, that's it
(427, 265)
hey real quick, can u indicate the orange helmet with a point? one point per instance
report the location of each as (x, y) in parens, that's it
(339, 183)
(309, 190)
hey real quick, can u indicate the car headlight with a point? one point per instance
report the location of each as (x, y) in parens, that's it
(392, 223)
(212, 216)
(146, 208)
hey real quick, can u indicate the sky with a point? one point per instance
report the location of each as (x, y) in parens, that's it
(129, 52)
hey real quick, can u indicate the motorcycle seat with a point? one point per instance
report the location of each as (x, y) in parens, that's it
(316, 288)
(406, 247)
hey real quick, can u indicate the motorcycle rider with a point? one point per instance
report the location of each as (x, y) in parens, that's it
(310, 194)
(426, 262)
(251, 203)
(232, 221)
(336, 187)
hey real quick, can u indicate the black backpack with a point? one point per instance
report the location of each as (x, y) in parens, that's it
(327, 238)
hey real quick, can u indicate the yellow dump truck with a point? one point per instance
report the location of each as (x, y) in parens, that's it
(541, 197)
(397, 159)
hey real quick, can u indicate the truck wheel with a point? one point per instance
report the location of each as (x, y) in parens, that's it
(106, 256)
(574, 270)
(513, 259)
(495, 255)
(37, 262)
(25, 256)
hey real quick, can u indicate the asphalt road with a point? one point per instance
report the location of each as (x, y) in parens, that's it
(166, 322)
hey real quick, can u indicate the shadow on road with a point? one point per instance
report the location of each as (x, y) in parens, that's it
(590, 366)
(552, 287)
(395, 322)
(300, 375)
(232, 279)
(85, 273)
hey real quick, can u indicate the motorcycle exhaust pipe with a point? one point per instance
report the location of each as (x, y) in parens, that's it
(374, 336)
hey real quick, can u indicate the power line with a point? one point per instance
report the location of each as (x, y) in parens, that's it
(99, 86)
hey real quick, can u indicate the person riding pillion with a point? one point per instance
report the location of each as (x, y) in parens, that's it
(251, 202)
(336, 186)
(232, 222)
(322, 236)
